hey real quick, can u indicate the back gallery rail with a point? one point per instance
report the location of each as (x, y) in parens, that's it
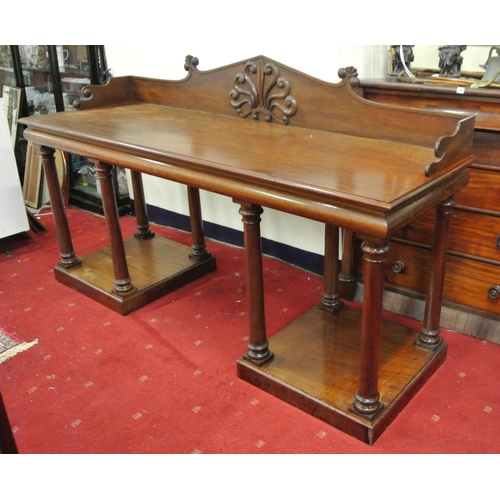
(267, 135)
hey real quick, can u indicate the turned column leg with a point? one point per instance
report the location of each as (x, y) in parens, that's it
(367, 402)
(198, 238)
(123, 281)
(143, 230)
(347, 278)
(331, 299)
(429, 336)
(258, 345)
(67, 253)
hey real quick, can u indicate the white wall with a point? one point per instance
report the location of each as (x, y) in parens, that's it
(166, 61)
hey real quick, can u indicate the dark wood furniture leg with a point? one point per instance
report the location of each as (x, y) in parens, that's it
(258, 345)
(367, 402)
(122, 280)
(198, 245)
(67, 253)
(7, 442)
(143, 230)
(331, 299)
(156, 265)
(347, 278)
(429, 336)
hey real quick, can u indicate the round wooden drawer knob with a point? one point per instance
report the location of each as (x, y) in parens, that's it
(398, 267)
(494, 292)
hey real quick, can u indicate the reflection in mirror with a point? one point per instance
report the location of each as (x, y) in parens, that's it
(461, 65)
(450, 60)
(401, 59)
(492, 66)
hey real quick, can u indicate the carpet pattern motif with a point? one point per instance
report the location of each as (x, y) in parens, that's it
(163, 379)
(11, 346)
(6, 342)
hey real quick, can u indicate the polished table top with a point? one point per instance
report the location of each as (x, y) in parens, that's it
(363, 173)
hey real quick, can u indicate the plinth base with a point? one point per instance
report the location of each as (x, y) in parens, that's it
(157, 266)
(316, 368)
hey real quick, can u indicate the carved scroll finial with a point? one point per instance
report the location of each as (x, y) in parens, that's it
(350, 73)
(191, 62)
(260, 89)
(86, 95)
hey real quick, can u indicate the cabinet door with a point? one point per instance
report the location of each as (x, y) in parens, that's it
(53, 76)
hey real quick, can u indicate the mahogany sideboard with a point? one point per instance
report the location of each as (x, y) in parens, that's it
(269, 136)
(472, 283)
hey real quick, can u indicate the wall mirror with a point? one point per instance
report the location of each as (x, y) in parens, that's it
(474, 65)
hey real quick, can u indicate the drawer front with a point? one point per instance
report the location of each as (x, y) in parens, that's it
(471, 233)
(482, 191)
(486, 148)
(485, 109)
(467, 283)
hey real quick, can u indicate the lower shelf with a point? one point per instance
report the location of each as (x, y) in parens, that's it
(316, 366)
(157, 266)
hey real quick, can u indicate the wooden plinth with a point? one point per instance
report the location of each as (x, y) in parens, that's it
(157, 266)
(316, 366)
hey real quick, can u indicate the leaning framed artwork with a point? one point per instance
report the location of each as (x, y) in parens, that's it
(33, 175)
(12, 104)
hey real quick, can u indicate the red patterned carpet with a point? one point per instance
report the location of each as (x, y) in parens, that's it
(163, 379)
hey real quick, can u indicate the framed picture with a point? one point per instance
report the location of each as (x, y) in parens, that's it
(12, 104)
(33, 175)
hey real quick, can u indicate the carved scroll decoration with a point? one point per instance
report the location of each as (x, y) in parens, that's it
(349, 74)
(191, 61)
(260, 90)
(86, 95)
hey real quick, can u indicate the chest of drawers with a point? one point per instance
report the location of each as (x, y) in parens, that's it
(472, 283)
